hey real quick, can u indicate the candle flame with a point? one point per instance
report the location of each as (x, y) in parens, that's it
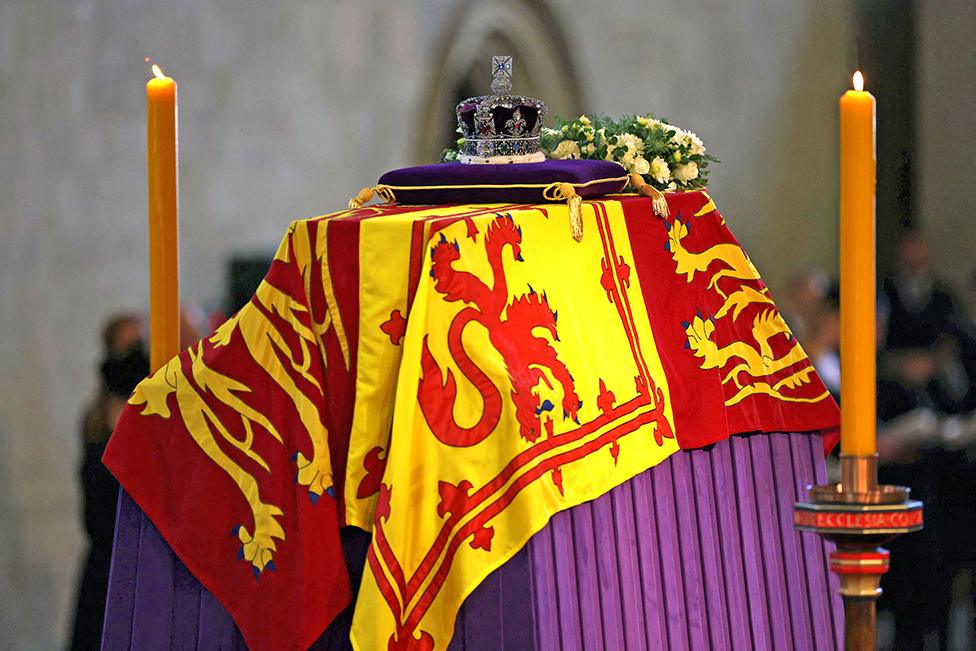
(858, 80)
(158, 72)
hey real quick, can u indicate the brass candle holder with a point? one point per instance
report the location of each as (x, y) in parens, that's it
(858, 515)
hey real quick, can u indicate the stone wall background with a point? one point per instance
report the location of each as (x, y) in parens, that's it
(946, 139)
(286, 110)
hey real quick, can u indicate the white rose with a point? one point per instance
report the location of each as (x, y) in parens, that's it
(631, 142)
(566, 149)
(659, 170)
(589, 149)
(672, 186)
(686, 172)
(678, 136)
(640, 166)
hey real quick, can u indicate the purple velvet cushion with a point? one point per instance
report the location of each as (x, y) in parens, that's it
(512, 183)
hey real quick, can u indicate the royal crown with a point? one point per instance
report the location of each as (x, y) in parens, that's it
(501, 128)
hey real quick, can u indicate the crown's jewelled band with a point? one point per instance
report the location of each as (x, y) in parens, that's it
(501, 137)
(537, 157)
(504, 146)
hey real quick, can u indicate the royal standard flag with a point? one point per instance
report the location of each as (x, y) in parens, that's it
(448, 378)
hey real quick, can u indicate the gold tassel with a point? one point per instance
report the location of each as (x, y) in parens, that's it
(384, 192)
(362, 198)
(566, 192)
(576, 216)
(645, 189)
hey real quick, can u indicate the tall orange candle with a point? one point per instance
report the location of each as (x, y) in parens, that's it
(857, 270)
(164, 275)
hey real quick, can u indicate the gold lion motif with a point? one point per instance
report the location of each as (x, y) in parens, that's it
(757, 361)
(269, 347)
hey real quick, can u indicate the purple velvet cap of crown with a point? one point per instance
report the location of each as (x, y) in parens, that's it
(411, 185)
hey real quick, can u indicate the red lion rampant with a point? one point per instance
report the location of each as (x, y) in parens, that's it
(524, 353)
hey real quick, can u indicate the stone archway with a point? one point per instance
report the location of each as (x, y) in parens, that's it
(543, 65)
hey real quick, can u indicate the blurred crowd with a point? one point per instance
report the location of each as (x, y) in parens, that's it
(926, 347)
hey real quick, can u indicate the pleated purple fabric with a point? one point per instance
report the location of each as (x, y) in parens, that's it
(696, 553)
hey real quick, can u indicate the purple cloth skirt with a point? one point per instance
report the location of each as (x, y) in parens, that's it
(696, 553)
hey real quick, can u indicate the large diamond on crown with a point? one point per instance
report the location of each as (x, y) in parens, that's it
(501, 127)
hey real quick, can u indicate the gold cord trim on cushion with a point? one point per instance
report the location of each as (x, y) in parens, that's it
(645, 189)
(559, 191)
(386, 193)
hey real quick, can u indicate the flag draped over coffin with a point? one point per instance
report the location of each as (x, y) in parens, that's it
(449, 378)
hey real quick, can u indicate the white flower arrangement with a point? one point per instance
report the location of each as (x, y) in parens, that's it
(667, 157)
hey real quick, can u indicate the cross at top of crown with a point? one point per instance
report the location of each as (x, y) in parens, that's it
(501, 75)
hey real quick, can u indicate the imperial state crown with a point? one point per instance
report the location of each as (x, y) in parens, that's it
(500, 127)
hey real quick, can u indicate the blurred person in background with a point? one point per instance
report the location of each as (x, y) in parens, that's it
(822, 342)
(923, 387)
(124, 365)
(962, 507)
(922, 307)
(918, 587)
